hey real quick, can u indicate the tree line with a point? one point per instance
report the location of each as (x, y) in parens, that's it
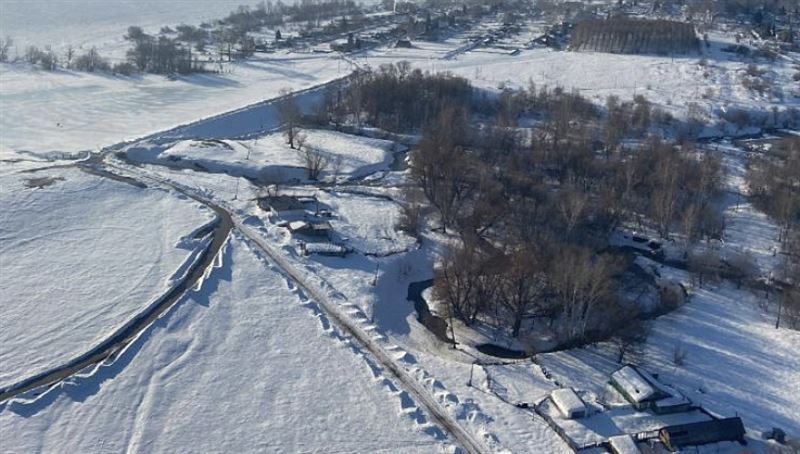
(631, 36)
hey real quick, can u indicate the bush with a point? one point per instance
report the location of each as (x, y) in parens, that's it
(410, 217)
(124, 69)
(679, 355)
(671, 296)
(91, 61)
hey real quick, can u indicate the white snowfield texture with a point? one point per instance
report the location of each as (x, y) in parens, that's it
(79, 258)
(245, 364)
(67, 111)
(97, 22)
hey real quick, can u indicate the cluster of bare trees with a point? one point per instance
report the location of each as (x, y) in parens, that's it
(5, 47)
(628, 36)
(397, 98)
(50, 60)
(774, 180)
(159, 54)
(290, 115)
(533, 208)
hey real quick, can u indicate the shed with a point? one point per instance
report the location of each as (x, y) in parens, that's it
(700, 433)
(326, 249)
(633, 386)
(623, 444)
(403, 43)
(318, 229)
(568, 403)
(283, 206)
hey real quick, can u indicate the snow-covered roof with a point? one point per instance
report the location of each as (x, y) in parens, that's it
(623, 444)
(297, 225)
(633, 384)
(568, 402)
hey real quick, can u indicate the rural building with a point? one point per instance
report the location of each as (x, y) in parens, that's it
(309, 228)
(623, 444)
(326, 249)
(568, 403)
(283, 206)
(645, 392)
(403, 43)
(700, 433)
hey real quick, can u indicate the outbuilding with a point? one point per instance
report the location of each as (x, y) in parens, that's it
(645, 392)
(700, 433)
(623, 444)
(568, 403)
(634, 386)
(283, 206)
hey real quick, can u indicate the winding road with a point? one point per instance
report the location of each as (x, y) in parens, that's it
(227, 221)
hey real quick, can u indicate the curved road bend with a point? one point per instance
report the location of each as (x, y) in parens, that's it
(118, 341)
(438, 414)
(226, 223)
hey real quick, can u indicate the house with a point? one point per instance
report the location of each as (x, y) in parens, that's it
(283, 206)
(568, 403)
(623, 444)
(700, 433)
(645, 392)
(633, 386)
(311, 228)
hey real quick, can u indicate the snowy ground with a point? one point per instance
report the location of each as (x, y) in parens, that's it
(228, 369)
(737, 362)
(269, 159)
(100, 23)
(66, 244)
(249, 352)
(71, 111)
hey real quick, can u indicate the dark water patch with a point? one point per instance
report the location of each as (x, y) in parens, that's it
(501, 352)
(433, 323)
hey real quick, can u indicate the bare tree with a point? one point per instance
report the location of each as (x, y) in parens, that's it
(629, 340)
(523, 285)
(289, 115)
(69, 54)
(583, 284)
(314, 160)
(5, 46)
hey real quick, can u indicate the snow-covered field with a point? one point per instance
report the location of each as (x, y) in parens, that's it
(79, 257)
(229, 369)
(671, 83)
(72, 111)
(87, 23)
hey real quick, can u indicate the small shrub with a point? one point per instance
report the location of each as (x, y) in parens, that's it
(91, 61)
(671, 297)
(124, 69)
(679, 355)
(410, 217)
